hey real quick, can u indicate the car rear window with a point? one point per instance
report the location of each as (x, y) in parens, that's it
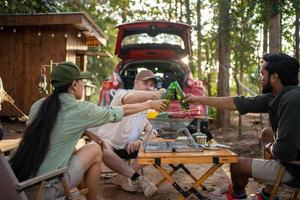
(145, 38)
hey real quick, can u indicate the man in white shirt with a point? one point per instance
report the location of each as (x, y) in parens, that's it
(123, 139)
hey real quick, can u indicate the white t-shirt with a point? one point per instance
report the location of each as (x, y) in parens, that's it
(130, 128)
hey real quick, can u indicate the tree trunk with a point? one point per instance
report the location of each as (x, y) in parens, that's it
(297, 32)
(239, 92)
(199, 38)
(274, 27)
(207, 81)
(265, 27)
(188, 11)
(188, 21)
(265, 38)
(176, 9)
(238, 69)
(223, 117)
(124, 15)
(170, 11)
(209, 84)
(181, 10)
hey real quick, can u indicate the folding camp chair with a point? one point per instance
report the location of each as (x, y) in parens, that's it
(12, 189)
(278, 182)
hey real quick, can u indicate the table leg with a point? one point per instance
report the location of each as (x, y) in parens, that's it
(184, 169)
(164, 179)
(207, 174)
(187, 172)
(174, 169)
(169, 178)
(193, 188)
(167, 175)
(199, 182)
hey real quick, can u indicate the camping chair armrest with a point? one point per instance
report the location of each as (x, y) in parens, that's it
(48, 176)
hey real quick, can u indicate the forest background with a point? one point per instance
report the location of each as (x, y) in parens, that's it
(228, 37)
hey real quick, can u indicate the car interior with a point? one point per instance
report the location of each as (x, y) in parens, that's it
(165, 73)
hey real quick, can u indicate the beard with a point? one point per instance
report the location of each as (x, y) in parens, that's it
(267, 88)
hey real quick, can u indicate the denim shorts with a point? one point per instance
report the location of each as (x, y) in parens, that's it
(53, 188)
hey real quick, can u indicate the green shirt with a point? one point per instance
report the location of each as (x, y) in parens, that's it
(72, 121)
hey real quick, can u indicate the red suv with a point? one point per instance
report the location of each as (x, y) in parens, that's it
(160, 47)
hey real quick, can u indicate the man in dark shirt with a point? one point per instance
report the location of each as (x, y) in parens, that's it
(281, 100)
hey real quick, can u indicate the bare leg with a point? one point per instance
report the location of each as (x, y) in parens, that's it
(115, 163)
(134, 165)
(240, 173)
(90, 156)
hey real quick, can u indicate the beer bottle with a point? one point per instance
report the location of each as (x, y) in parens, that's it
(180, 96)
(174, 91)
(169, 94)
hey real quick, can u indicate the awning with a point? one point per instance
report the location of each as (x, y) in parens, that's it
(80, 20)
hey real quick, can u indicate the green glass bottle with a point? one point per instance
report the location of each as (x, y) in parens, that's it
(180, 96)
(174, 91)
(169, 94)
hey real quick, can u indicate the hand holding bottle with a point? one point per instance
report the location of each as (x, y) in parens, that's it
(158, 105)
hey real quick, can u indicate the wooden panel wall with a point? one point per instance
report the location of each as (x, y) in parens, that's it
(21, 56)
(75, 43)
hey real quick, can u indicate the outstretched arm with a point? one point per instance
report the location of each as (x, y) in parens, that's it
(225, 103)
(130, 109)
(142, 96)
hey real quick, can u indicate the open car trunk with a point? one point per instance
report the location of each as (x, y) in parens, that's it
(165, 71)
(153, 39)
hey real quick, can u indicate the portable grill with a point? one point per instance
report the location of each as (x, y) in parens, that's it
(168, 127)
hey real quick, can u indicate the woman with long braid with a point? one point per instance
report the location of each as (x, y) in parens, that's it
(55, 125)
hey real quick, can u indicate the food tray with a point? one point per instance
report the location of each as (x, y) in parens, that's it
(177, 146)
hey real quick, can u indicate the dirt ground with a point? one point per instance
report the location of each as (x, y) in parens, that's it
(247, 145)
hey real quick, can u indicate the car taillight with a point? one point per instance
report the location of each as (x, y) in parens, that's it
(190, 82)
(115, 83)
(194, 83)
(106, 85)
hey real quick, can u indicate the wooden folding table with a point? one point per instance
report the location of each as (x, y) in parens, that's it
(176, 160)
